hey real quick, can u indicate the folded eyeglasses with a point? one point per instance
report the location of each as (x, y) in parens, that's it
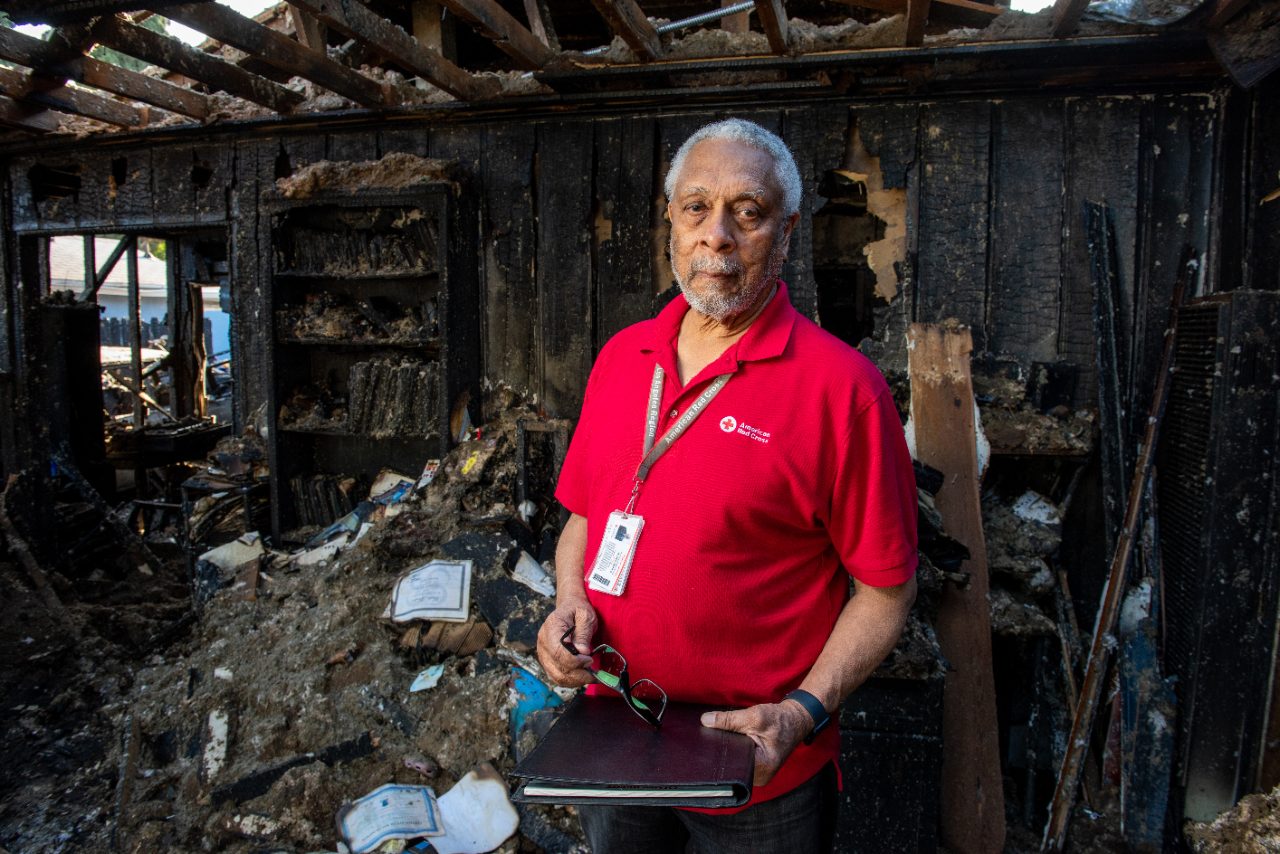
(609, 668)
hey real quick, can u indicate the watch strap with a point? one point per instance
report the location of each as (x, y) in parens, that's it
(812, 705)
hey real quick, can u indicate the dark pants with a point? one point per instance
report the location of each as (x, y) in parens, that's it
(802, 821)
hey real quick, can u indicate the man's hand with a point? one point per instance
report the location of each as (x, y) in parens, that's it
(776, 728)
(564, 669)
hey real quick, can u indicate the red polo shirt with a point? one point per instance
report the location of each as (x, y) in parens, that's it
(796, 472)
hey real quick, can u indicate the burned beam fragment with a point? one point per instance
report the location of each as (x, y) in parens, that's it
(917, 17)
(358, 22)
(53, 95)
(1066, 16)
(14, 114)
(773, 17)
(506, 32)
(172, 54)
(47, 60)
(627, 19)
(228, 26)
(260, 782)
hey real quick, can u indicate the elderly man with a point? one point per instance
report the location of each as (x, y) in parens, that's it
(751, 463)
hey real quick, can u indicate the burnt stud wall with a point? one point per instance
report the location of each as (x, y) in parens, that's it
(572, 239)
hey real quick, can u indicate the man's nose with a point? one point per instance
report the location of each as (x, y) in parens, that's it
(717, 230)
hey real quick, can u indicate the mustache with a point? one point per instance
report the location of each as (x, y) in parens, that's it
(719, 266)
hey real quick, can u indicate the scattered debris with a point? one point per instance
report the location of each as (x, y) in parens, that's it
(1251, 825)
(395, 171)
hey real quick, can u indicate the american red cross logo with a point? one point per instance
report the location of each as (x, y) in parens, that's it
(728, 424)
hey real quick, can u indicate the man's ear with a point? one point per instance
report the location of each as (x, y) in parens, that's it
(789, 226)
(666, 212)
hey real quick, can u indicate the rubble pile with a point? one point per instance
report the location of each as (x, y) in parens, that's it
(1021, 540)
(1251, 825)
(328, 316)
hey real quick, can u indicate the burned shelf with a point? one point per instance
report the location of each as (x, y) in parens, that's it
(373, 332)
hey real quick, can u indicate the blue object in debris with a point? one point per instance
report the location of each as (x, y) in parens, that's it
(531, 695)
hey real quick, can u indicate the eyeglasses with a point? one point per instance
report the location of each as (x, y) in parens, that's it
(609, 668)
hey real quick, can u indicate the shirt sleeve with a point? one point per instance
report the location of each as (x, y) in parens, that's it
(874, 501)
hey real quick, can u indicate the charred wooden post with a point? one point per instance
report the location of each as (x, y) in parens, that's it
(917, 17)
(943, 409)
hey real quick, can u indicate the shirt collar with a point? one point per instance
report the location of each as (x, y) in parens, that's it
(766, 338)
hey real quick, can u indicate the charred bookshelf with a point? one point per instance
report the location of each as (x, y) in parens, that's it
(374, 330)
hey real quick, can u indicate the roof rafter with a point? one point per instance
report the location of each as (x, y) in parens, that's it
(230, 27)
(1066, 16)
(47, 60)
(358, 22)
(496, 23)
(309, 31)
(16, 115)
(773, 18)
(166, 52)
(540, 23)
(628, 20)
(917, 17)
(48, 93)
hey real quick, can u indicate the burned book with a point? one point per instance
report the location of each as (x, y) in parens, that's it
(389, 398)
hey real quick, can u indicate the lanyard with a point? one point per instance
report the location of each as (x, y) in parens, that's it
(653, 451)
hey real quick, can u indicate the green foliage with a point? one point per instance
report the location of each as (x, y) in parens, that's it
(155, 23)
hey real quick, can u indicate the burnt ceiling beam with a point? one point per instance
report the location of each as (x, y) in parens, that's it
(230, 27)
(773, 18)
(901, 6)
(917, 17)
(358, 22)
(13, 114)
(540, 23)
(51, 94)
(1225, 10)
(44, 57)
(309, 31)
(1066, 16)
(626, 19)
(215, 73)
(496, 23)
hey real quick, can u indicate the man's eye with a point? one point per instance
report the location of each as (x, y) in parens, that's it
(695, 207)
(749, 213)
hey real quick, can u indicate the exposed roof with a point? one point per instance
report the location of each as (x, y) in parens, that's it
(311, 56)
(67, 270)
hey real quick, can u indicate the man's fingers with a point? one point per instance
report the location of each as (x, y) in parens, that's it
(732, 721)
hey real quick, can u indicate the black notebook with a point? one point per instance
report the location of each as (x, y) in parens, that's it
(601, 752)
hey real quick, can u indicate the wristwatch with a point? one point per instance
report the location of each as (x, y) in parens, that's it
(812, 705)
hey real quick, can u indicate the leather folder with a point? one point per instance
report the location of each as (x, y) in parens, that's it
(600, 752)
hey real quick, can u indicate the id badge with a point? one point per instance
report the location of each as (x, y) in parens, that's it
(612, 565)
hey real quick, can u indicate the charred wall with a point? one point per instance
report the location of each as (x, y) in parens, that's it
(572, 234)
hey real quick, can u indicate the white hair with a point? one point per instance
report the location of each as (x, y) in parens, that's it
(741, 130)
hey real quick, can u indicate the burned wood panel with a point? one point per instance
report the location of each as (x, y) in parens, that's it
(563, 186)
(189, 184)
(46, 192)
(1262, 221)
(1177, 155)
(1026, 230)
(625, 190)
(817, 140)
(411, 140)
(509, 247)
(952, 269)
(1101, 166)
(354, 146)
(890, 131)
(256, 164)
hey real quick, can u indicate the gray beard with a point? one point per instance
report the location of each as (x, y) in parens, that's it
(720, 306)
